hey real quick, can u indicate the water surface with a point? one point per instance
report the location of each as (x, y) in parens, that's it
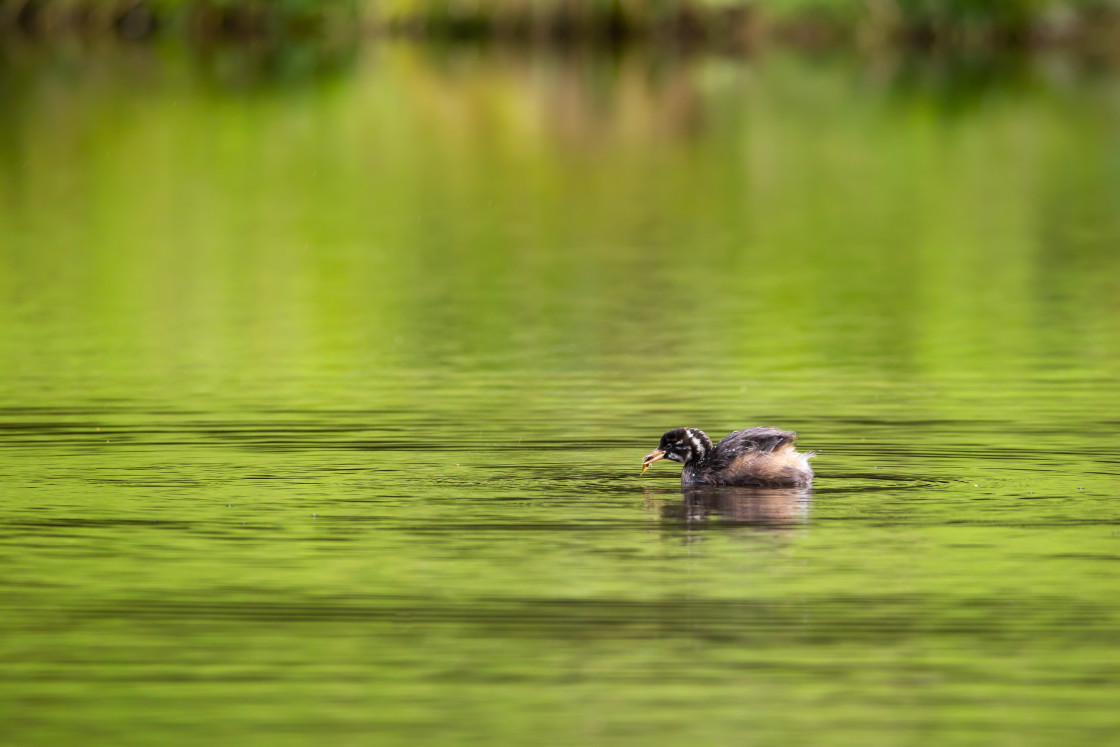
(326, 377)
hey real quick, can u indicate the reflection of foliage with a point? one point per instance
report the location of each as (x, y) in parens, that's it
(952, 21)
(1009, 13)
(926, 21)
(960, 82)
(138, 18)
(269, 62)
(218, 63)
(742, 215)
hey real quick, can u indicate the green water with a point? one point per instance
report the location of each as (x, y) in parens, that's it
(326, 378)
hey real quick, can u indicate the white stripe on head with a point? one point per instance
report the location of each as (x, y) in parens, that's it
(698, 449)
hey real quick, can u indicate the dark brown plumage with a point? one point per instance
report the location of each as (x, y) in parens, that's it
(761, 456)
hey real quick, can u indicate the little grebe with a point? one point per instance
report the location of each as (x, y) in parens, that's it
(761, 456)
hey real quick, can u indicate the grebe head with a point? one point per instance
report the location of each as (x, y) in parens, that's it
(680, 445)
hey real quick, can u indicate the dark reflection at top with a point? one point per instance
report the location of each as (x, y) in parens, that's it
(969, 83)
(765, 508)
(233, 66)
(271, 65)
(957, 84)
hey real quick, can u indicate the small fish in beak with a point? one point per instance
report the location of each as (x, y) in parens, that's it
(654, 456)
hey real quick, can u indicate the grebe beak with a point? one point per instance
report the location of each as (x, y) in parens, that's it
(654, 456)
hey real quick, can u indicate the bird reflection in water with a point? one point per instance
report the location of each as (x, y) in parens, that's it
(760, 508)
